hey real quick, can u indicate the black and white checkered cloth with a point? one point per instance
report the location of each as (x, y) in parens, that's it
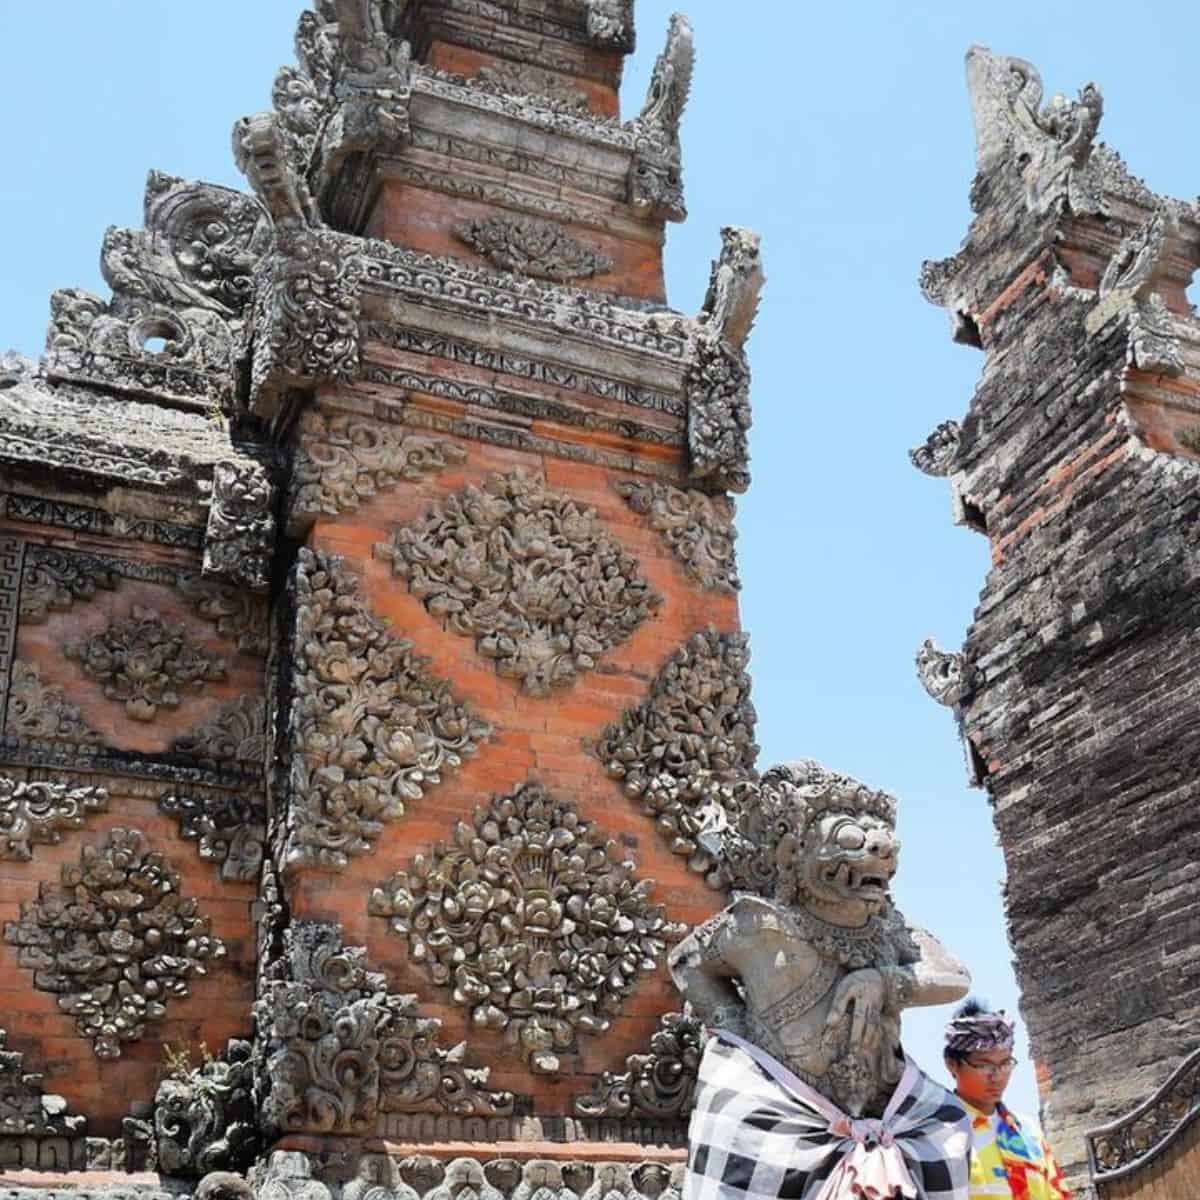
(760, 1133)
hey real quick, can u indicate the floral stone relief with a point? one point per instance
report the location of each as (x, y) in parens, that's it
(534, 919)
(528, 573)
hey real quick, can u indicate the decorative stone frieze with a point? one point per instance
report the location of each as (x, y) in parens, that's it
(340, 1049)
(527, 246)
(660, 1084)
(38, 812)
(699, 529)
(228, 827)
(204, 1118)
(1050, 146)
(236, 733)
(370, 727)
(41, 711)
(239, 541)
(146, 664)
(25, 1110)
(935, 455)
(526, 572)
(690, 744)
(12, 562)
(115, 941)
(944, 676)
(54, 580)
(341, 461)
(545, 88)
(533, 918)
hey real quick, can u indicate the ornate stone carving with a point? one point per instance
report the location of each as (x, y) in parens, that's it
(541, 87)
(340, 1049)
(527, 246)
(534, 920)
(342, 461)
(610, 23)
(12, 559)
(115, 941)
(239, 541)
(1050, 147)
(229, 827)
(690, 744)
(204, 1118)
(526, 572)
(718, 388)
(811, 934)
(265, 154)
(36, 813)
(54, 580)
(41, 711)
(698, 528)
(27, 1111)
(656, 184)
(935, 455)
(943, 676)
(288, 1176)
(145, 663)
(236, 733)
(670, 83)
(734, 286)
(370, 727)
(234, 613)
(660, 1084)
(1124, 1146)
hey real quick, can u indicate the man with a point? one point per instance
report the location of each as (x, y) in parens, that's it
(1009, 1157)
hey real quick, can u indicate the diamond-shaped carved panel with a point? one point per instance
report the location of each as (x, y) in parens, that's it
(534, 919)
(115, 941)
(526, 572)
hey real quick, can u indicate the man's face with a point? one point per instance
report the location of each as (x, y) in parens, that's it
(982, 1076)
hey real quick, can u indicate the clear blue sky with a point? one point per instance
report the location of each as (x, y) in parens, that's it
(839, 132)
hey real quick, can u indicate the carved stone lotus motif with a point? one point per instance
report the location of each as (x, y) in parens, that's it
(533, 918)
(528, 573)
(145, 663)
(115, 941)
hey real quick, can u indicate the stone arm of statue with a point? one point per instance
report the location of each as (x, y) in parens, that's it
(933, 975)
(706, 980)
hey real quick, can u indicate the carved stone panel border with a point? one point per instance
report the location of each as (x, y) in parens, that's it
(12, 557)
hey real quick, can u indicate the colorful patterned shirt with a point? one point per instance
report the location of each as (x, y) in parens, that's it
(1010, 1159)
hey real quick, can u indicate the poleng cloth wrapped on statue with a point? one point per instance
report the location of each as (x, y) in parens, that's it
(759, 1132)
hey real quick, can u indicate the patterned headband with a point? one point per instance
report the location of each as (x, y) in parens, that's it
(981, 1031)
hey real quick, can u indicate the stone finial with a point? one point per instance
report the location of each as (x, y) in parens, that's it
(942, 674)
(1051, 146)
(670, 82)
(735, 286)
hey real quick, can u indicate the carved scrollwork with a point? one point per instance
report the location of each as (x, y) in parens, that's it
(236, 733)
(204, 1118)
(699, 529)
(690, 744)
(526, 572)
(37, 812)
(145, 664)
(233, 612)
(935, 455)
(41, 711)
(229, 827)
(719, 417)
(532, 918)
(53, 581)
(542, 87)
(670, 83)
(661, 1084)
(342, 461)
(239, 541)
(26, 1110)
(340, 1048)
(115, 941)
(527, 246)
(370, 727)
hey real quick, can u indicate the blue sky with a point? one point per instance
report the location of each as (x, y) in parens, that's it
(842, 134)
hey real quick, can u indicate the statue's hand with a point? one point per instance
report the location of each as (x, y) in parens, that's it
(865, 991)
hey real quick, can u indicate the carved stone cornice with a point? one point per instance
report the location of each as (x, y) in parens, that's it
(26, 1111)
(698, 528)
(38, 812)
(370, 727)
(342, 460)
(526, 246)
(528, 573)
(204, 1118)
(146, 664)
(532, 918)
(661, 1084)
(690, 743)
(115, 941)
(340, 1049)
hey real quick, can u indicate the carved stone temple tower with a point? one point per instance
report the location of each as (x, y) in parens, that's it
(1079, 460)
(369, 637)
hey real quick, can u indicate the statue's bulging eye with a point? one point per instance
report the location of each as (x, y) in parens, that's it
(850, 837)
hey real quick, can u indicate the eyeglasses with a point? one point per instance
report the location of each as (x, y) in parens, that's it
(992, 1069)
